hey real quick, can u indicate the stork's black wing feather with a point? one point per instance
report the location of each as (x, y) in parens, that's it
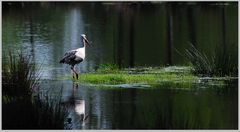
(68, 57)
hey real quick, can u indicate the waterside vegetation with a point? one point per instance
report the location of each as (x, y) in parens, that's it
(223, 62)
(219, 67)
(171, 76)
(21, 98)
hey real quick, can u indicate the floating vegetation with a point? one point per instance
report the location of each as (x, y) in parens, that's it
(108, 68)
(138, 75)
(147, 77)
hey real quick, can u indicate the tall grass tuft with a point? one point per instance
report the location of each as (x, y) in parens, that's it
(19, 77)
(20, 108)
(226, 62)
(222, 63)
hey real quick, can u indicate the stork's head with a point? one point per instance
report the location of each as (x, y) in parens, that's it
(85, 40)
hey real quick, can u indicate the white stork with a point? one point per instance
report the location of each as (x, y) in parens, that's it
(76, 56)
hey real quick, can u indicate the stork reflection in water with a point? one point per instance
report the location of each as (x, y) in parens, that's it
(77, 106)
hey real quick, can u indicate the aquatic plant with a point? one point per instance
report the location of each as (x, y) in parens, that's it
(222, 63)
(149, 77)
(144, 75)
(50, 113)
(19, 77)
(226, 61)
(201, 63)
(107, 68)
(116, 78)
(21, 106)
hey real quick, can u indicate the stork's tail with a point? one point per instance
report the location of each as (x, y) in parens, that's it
(62, 60)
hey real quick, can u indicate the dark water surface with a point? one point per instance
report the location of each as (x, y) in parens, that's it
(136, 36)
(211, 107)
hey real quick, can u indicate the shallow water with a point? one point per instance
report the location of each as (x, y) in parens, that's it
(143, 108)
(47, 31)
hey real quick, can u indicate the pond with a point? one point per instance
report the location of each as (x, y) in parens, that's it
(212, 107)
(129, 35)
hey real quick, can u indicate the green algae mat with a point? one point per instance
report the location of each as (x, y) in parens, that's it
(173, 76)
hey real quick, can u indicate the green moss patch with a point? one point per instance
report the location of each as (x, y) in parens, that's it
(174, 76)
(142, 75)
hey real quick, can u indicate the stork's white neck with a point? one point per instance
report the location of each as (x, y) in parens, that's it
(84, 43)
(81, 51)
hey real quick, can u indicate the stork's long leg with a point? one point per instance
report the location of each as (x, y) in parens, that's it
(72, 70)
(75, 71)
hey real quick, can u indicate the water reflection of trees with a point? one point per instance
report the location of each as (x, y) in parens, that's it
(170, 109)
(125, 33)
